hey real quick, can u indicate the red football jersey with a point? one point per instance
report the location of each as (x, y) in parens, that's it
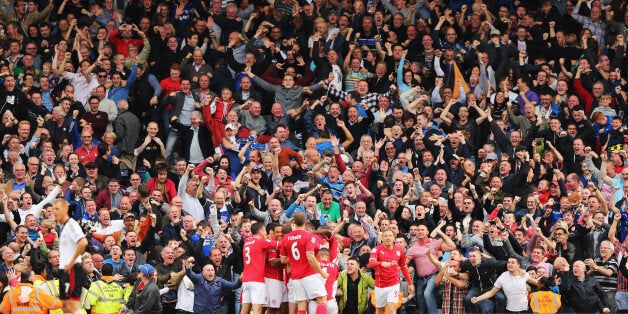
(331, 268)
(388, 276)
(295, 245)
(273, 272)
(253, 253)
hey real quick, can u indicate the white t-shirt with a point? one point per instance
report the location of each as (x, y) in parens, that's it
(514, 288)
(71, 234)
(114, 226)
(185, 295)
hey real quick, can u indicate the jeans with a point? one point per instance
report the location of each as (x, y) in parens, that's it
(173, 138)
(238, 294)
(496, 304)
(425, 294)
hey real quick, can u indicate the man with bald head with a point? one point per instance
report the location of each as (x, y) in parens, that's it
(194, 66)
(583, 293)
(166, 270)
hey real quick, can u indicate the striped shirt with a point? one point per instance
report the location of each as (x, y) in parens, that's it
(608, 283)
(370, 99)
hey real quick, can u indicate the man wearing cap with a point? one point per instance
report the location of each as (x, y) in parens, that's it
(96, 182)
(491, 157)
(145, 295)
(255, 191)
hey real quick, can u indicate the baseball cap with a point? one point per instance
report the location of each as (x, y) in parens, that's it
(146, 269)
(91, 165)
(128, 215)
(255, 169)
(231, 126)
(491, 156)
(328, 152)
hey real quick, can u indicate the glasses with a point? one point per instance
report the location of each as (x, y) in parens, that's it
(102, 76)
(98, 261)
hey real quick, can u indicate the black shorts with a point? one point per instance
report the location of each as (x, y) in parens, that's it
(71, 283)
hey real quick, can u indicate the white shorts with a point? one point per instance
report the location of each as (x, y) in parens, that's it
(383, 296)
(253, 292)
(275, 293)
(290, 288)
(310, 287)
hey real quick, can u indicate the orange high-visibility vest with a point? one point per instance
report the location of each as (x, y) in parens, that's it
(544, 302)
(26, 298)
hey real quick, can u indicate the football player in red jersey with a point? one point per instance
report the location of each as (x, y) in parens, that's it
(308, 278)
(253, 286)
(387, 259)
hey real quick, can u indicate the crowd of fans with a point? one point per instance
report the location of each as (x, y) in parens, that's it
(488, 136)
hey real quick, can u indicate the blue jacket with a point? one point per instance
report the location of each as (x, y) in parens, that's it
(207, 294)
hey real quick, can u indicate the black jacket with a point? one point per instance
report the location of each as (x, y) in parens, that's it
(583, 296)
(146, 300)
(484, 275)
(187, 134)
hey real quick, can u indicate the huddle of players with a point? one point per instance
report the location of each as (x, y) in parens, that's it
(311, 261)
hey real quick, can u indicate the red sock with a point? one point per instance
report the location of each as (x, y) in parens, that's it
(321, 308)
(301, 312)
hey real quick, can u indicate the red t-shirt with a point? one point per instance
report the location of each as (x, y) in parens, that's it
(273, 272)
(87, 156)
(295, 245)
(168, 86)
(387, 277)
(331, 268)
(253, 252)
